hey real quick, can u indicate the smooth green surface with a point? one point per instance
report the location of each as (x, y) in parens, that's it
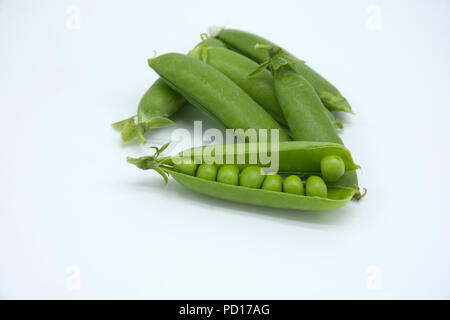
(214, 93)
(332, 168)
(207, 171)
(251, 177)
(337, 196)
(228, 174)
(302, 108)
(316, 187)
(273, 182)
(244, 42)
(293, 184)
(238, 67)
(296, 157)
(159, 100)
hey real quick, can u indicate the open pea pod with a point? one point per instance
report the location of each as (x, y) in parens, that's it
(294, 157)
(337, 196)
(298, 157)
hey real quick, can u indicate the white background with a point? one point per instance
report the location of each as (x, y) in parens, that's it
(76, 221)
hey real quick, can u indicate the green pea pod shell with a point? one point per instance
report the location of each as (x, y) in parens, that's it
(308, 120)
(214, 93)
(337, 196)
(238, 67)
(245, 42)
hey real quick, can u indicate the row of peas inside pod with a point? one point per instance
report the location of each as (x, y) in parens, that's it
(254, 177)
(311, 172)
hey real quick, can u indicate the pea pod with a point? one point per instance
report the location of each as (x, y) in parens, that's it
(237, 67)
(156, 106)
(259, 87)
(303, 109)
(245, 42)
(337, 196)
(214, 93)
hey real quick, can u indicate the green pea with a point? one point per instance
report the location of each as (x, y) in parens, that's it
(251, 177)
(186, 168)
(228, 174)
(273, 182)
(207, 171)
(332, 168)
(316, 187)
(293, 184)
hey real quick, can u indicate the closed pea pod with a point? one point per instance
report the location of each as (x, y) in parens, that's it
(303, 109)
(259, 87)
(156, 106)
(245, 42)
(214, 93)
(238, 67)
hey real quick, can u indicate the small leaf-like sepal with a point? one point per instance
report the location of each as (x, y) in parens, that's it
(128, 133)
(119, 125)
(260, 68)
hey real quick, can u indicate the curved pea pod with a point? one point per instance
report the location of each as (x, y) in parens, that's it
(337, 196)
(156, 106)
(214, 93)
(245, 42)
(154, 110)
(303, 109)
(238, 67)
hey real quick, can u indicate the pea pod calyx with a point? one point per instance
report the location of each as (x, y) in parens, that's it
(277, 58)
(130, 130)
